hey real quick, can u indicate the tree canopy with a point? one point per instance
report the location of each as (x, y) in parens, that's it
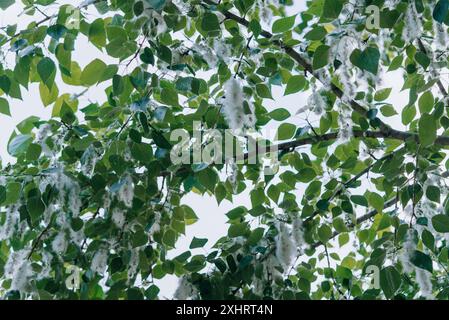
(93, 202)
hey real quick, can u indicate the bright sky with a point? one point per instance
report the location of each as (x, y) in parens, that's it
(212, 219)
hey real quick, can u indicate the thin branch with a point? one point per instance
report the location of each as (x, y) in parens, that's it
(49, 17)
(352, 180)
(439, 83)
(38, 240)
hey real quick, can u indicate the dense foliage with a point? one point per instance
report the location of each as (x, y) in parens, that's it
(95, 188)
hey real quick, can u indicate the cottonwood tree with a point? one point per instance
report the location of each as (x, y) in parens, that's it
(94, 187)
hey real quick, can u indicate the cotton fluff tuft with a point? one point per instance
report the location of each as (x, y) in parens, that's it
(285, 248)
(133, 264)
(343, 53)
(413, 26)
(185, 290)
(344, 121)
(424, 283)
(86, 3)
(233, 104)
(183, 7)
(21, 278)
(89, 159)
(232, 176)
(118, 217)
(207, 54)
(11, 223)
(156, 21)
(440, 36)
(126, 192)
(69, 193)
(408, 250)
(15, 259)
(18, 269)
(59, 244)
(271, 268)
(156, 226)
(298, 232)
(316, 101)
(222, 50)
(100, 261)
(237, 117)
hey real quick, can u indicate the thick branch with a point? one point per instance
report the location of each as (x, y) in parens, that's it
(385, 128)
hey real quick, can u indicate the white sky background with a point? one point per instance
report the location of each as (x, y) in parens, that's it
(212, 219)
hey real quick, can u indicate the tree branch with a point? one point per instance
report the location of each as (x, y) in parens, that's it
(49, 17)
(385, 128)
(439, 83)
(359, 220)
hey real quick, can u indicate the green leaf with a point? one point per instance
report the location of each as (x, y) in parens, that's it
(47, 71)
(156, 4)
(279, 114)
(5, 83)
(35, 208)
(48, 96)
(208, 178)
(237, 230)
(332, 9)
(283, 24)
(295, 83)
(422, 59)
(197, 243)
(421, 260)
(170, 97)
(433, 193)
(408, 114)
(97, 33)
(286, 131)
(320, 57)
(316, 34)
(93, 72)
(383, 94)
(169, 238)
(324, 233)
(220, 192)
(33, 152)
(263, 91)
(440, 11)
(395, 63)
(152, 292)
(388, 110)
(257, 197)
(427, 130)
(19, 144)
(440, 223)
(4, 107)
(376, 201)
(366, 60)
(147, 56)
(390, 281)
(5, 4)
(428, 239)
(210, 22)
(255, 236)
(359, 200)
(426, 102)
(2, 194)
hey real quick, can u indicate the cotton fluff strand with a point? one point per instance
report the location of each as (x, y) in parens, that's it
(285, 248)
